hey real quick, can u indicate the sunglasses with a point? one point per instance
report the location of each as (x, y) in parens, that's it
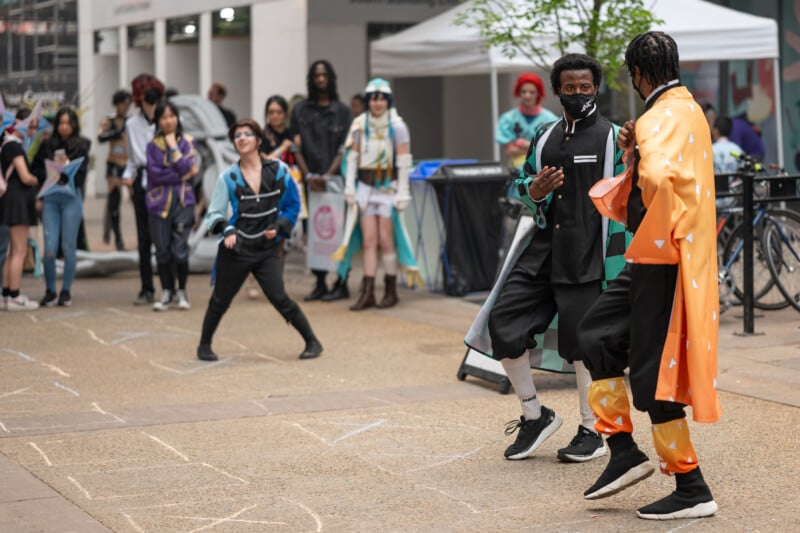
(244, 134)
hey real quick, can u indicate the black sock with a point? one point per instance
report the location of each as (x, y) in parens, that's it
(6, 292)
(13, 294)
(620, 442)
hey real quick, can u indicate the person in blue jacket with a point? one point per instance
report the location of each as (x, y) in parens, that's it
(264, 203)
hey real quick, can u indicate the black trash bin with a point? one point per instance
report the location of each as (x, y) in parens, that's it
(469, 199)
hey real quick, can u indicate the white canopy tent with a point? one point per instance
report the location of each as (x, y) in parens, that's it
(703, 32)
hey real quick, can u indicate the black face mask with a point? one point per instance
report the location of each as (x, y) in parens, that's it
(578, 105)
(636, 88)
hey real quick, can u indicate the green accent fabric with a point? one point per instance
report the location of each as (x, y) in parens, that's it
(542, 357)
(405, 253)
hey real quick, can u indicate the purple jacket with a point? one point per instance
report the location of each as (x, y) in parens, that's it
(169, 174)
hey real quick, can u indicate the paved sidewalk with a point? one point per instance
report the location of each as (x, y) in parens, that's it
(109, 422)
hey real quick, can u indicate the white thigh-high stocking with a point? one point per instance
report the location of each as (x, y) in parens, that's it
(584, 380)
(519, 373)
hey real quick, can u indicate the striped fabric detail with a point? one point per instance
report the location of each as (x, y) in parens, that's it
(258, 215)
(583, 159)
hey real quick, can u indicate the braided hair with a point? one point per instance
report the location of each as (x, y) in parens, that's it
(656, 55)
(333, 92)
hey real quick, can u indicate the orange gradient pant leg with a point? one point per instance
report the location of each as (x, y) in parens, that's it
(608, 398)
(673, 444)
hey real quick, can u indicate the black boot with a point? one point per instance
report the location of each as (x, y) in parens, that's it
(339, 291)
(300, 323)
(390, 298)
(692, 499)
(313, 349)
(320, 290)
(205, 353)
(366, 297)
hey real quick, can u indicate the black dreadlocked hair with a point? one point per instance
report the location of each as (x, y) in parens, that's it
(575, 62)
(656, 55)
(333, 92)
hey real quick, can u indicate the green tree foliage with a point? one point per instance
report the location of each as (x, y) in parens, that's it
(533, 28)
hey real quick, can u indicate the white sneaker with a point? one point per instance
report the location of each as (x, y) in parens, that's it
(183, 302)
(163, 303)
(21, 303)
(3, 303)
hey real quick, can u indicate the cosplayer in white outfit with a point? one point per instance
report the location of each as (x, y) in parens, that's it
(379, 162)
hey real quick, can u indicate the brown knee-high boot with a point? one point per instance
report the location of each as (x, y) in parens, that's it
(390, 298)
(366, 298)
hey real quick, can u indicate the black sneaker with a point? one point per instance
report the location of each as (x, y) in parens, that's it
(585, 446)
(144, 298)
(532, 433)
(49, 299)
(64, 299)
(205, 353)
(313, 349)
(625, 468)
(692, 499)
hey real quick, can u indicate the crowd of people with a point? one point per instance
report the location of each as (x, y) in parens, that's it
(622, 250)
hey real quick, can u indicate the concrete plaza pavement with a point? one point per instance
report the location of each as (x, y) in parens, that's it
(109, 422)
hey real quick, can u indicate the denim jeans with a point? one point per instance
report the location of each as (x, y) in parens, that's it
(61, 217)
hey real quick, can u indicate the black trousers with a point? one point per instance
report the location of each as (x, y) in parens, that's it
(626, 328)
(232, 270)
(143, 234)
(527, 304)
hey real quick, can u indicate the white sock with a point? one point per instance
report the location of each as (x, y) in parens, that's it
(519, 374)
(390, 264)
(584, 380)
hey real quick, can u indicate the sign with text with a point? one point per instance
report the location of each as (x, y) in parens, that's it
(326, 212)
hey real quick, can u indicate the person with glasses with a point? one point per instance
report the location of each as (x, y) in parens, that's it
(264, 204)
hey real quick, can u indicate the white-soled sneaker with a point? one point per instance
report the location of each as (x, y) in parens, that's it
(183, 301)
(22, 303)
(163, 303)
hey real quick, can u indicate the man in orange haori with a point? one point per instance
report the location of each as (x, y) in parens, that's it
(659, 317)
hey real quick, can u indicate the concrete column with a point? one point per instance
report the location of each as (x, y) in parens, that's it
(160, 49)
(86, 77)
(124, 76)
(204, 39)
(283, 49)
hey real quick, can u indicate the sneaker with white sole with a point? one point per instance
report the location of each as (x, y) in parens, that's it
(625, 468)
(585, 446)
(532, 433)
(49, 300)
(22, 303)
(183, 301)
(64, 299)
(163, 303)
(692, 499)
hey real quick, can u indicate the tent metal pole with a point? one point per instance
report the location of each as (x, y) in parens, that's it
(778, 109)
(495, 113)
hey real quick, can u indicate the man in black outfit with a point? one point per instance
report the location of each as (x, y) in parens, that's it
(319, 126)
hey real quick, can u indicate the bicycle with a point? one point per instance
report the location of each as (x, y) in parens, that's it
(782, 242)
(730, 243)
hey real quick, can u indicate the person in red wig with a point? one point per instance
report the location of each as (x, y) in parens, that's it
(518, 126)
